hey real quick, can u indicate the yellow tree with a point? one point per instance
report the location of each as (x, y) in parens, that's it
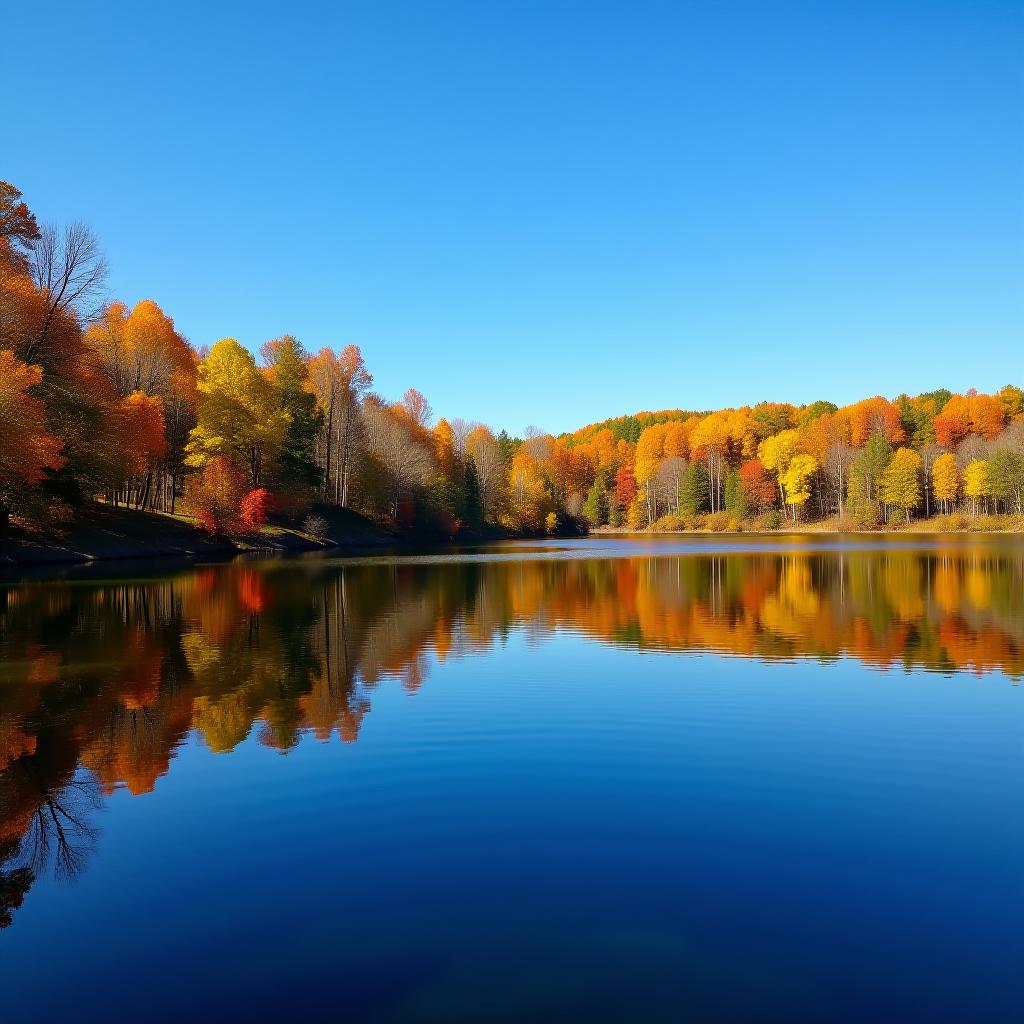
(977, 483)
(946, 480)
(530, 500)
(650, 449)
(1011, 398)
(724, 435)
(239, 417)
(796, 481)
(444, 448)
(776, 452)
(900, 485)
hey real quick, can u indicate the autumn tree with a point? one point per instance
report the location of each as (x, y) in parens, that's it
(776, 452)
(140, 424)
(254, 508)
(213, 496)
(899, 485)
(953, 422)
(140, 351)
(625, 487)
(239, 415)
(946, 480)
(1011, 398)
(28, 449)
(757, 487)
(19, 230)
(796, 481)
(339, 381)
(873, 416)
(482, 447)
(977, 483)
(399, 458)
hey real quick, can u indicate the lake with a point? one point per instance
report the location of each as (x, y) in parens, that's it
(686, 779)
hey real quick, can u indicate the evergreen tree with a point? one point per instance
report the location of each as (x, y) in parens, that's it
(595, 508)
(1006, 472)
(870, 464)
(696, 490)
(508, 446)
(297, 465)
(473, 506)
(735, 498)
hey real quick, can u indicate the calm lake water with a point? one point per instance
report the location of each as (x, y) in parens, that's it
(606, 780)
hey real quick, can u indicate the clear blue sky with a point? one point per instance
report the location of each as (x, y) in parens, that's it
(550, 213)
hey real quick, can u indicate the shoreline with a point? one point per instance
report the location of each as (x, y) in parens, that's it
(105, 534)
(811, 530)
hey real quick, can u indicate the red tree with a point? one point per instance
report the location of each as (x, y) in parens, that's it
(625, 486)
(757, 486)
(255, 506)
(214, 497)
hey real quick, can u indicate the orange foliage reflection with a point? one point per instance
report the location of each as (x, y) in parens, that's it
(100, 683)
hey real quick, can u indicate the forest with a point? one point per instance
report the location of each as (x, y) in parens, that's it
(105, 403)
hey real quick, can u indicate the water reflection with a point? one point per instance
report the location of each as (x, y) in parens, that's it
(100, 682)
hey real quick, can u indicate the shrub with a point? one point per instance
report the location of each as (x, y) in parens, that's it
(254, 508)
(772, 519)
(551, 522)
(718, 522)
(952, 522)
(998, 522)
(897, 518)
(213, 497)
(668, 524)
(315, 526)
(866, 515)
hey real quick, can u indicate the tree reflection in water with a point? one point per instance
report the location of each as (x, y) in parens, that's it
(100, 683)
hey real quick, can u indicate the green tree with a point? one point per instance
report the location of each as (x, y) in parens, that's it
(735, 498)
(900, 485)
(508, 446)
(871, 463)
(696, 490)
(815, 411)
(286, 361)
(595, 508)
(916, 421)
(1006, 478)
(472, 505)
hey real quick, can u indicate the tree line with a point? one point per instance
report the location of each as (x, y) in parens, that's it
(99, 401)
(873, 462)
